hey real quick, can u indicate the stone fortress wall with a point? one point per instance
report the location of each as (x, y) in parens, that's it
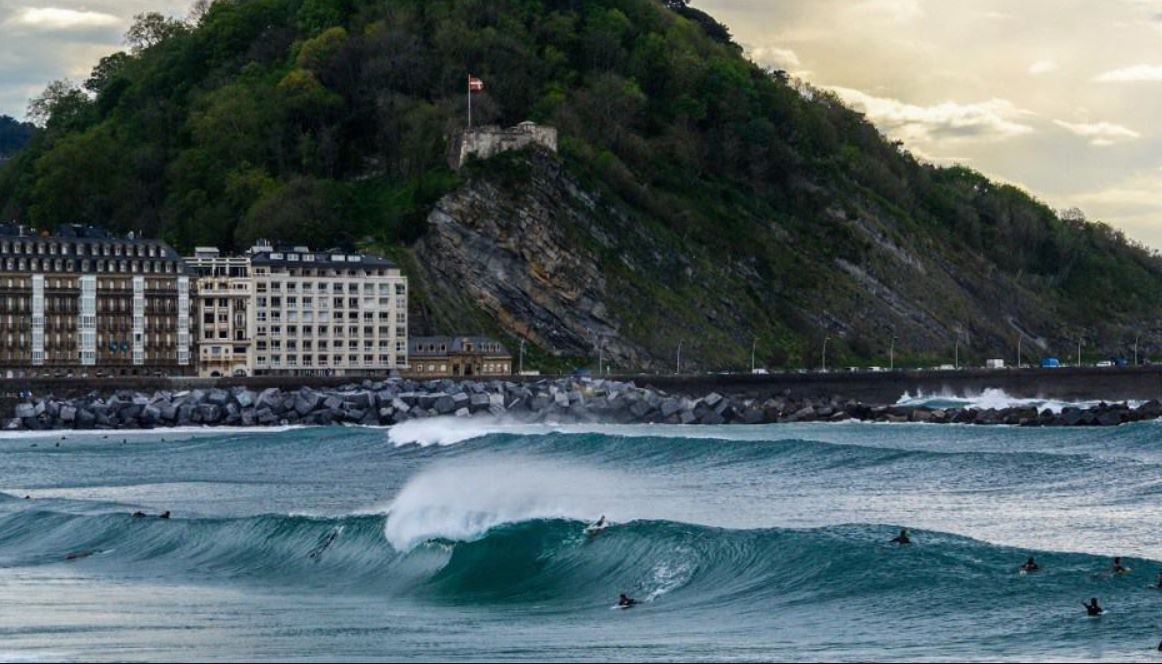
(489, 141)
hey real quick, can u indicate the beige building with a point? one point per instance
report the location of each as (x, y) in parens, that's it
(225, 295)
(433, 357)
(83, 302)
(294, 311)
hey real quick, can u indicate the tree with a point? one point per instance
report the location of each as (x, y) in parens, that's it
(107, 69)
(150, 29)
(61, 105)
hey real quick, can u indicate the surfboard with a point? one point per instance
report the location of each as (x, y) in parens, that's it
(594, 529)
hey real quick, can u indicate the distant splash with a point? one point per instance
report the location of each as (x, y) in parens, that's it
(992, 398)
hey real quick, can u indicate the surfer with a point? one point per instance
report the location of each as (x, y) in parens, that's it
(1159, 580)
(1118, 567)
(625, 601)
(1030, 565)
(595, 529)
(163, 515)
(323, 545)
(139, 515)
(78, 555)
(1093, 608)
(902, 538)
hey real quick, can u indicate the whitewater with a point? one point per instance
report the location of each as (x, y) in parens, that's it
(464, 539)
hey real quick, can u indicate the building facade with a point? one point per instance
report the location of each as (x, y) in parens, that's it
(83, 302)
(293, 311)
(225, 294)
(436, 357)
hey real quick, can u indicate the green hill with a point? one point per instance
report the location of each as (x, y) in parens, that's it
(14, 135)
(696, 199)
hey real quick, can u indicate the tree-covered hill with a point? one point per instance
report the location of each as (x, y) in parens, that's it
(761, 209)
(14, 135)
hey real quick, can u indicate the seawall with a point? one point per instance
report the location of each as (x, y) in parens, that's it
(1066, 384)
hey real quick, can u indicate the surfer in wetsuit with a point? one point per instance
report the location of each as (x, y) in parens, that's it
(1159, 580)
(1118, 567)
(902, 538)
(1093, 608)
(1030, 565)
(163, 515)
(625, 601)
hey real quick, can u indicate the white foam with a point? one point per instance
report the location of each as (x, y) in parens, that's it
(462, 501)
(992, 398)
(452, 430)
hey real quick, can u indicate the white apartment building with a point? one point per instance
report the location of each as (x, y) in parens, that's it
(306, 313)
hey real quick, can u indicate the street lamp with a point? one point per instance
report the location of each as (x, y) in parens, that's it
(892, 355)
(599, 341)
(754, 344)
(522, 356)
(1020, 338)
(1136, 338)
(1079, 351)
(825, 340)
(679, 369)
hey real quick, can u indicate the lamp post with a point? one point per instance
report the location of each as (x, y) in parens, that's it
(825, 340)
(1020, 338)
(892, 355)
(753, 344)
(1079, 351)
(956, 353)
(522, 356)
(679, 368)
(1136, 338)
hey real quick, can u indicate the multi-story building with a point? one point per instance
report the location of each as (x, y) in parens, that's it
(225, 295)
(83, 302)
(433, 357)
(306, 312)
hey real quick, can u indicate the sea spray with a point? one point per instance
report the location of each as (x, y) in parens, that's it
(994, 398)
(463, 501)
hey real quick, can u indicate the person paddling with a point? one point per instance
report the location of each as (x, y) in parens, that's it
(1118, 567)
(1093, 608)
(625, 601)
(1030, 565)
(902, 538)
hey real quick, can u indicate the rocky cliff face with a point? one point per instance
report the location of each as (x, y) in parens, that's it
(516, 249)
(527, 249)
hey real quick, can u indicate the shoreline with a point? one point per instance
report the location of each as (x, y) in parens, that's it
(560, 400)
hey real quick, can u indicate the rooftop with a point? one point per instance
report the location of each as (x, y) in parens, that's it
(439, 346)
(299, 256)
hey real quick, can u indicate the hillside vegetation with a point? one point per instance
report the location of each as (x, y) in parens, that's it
(14, 135)
(761, 209)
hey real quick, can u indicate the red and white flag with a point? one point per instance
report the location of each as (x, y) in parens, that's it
(475, 84)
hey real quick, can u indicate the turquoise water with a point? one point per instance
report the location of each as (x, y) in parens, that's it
(464, 540)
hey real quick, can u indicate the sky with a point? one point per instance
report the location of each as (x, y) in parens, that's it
(1059, 97)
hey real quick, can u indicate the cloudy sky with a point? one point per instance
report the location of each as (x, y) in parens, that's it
(1061, 97)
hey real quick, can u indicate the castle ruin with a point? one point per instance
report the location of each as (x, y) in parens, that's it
(489, 141)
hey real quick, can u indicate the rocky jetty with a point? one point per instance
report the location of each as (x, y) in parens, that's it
(557, 400)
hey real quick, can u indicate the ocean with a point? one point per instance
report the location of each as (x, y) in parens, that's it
(464, 540)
